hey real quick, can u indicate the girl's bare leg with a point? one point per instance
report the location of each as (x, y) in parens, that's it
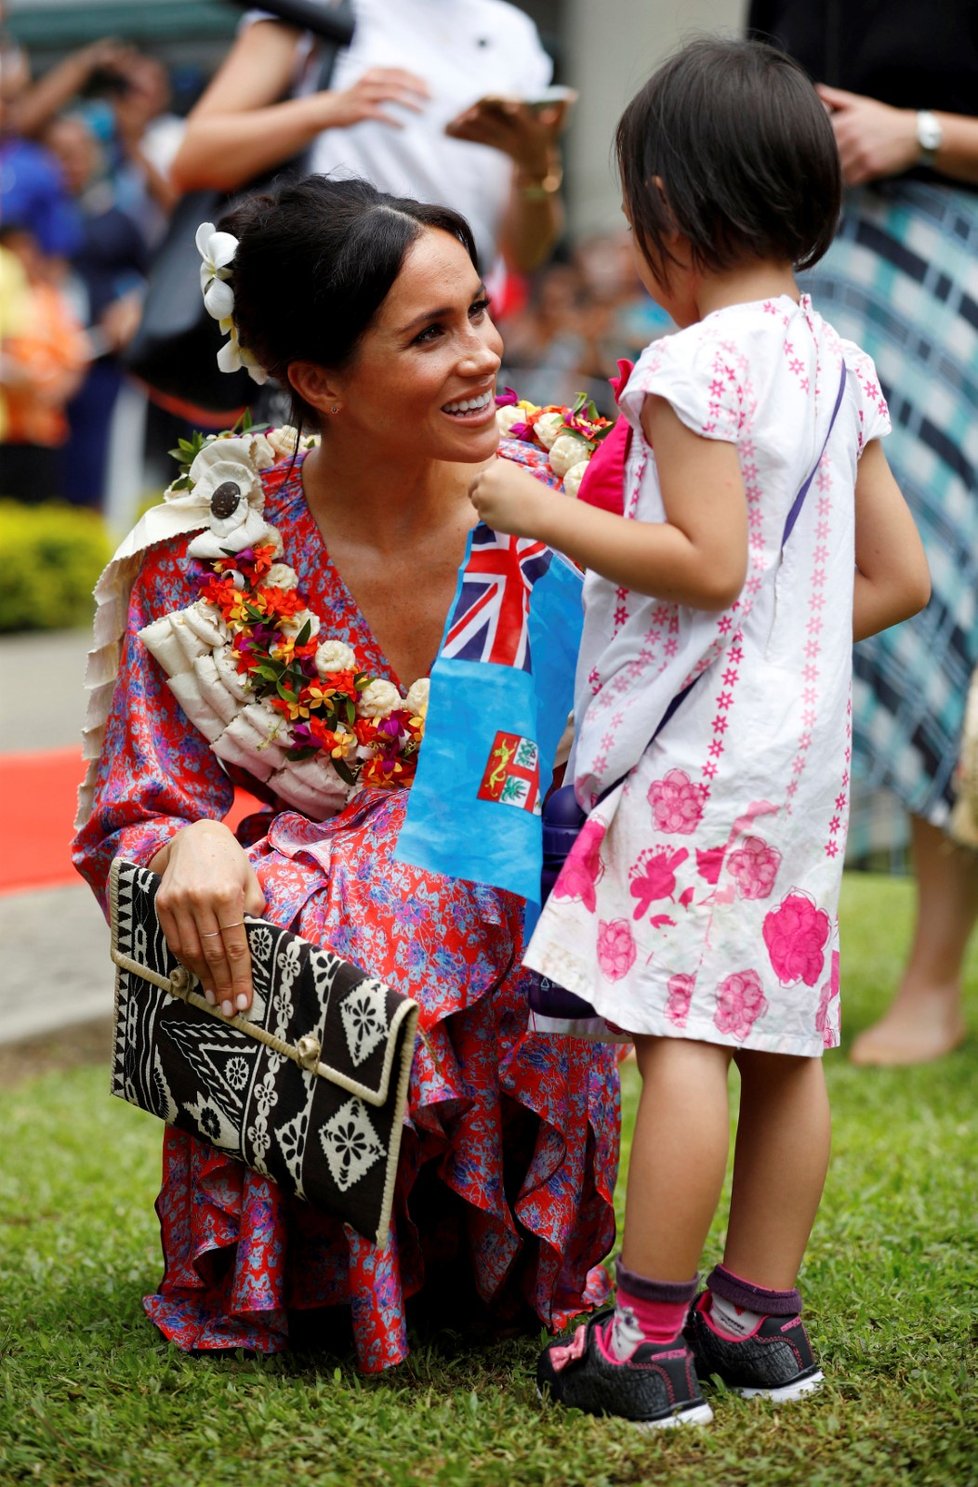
(679, 1156)
(924, 1020)
(780, 1161)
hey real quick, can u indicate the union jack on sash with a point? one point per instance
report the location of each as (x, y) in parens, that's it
(494, 722)
(488, 621)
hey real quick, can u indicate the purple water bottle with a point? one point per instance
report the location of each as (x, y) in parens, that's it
(562, 822)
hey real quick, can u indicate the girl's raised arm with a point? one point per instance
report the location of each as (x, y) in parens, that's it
(698, 556)
(892, 577)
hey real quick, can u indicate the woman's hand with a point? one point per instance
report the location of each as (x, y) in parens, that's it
(510, 499)
(207, 887)
(368, 95)
(874, 139)
(526, 134)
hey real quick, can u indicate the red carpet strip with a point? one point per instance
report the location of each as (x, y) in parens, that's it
(37, 808)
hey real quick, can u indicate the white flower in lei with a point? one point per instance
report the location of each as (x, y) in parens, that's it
(225, 476)
(417, 698)
(284, 441)
(379, 698)
(281, 576)
(335, 655)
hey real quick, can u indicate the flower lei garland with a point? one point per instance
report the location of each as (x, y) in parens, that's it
(569, 435)
(248, 662)
(361, 723)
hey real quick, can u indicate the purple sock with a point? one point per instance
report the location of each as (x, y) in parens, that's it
(749, 1297)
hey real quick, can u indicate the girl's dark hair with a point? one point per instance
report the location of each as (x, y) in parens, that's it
(745, 152)
(315, 261)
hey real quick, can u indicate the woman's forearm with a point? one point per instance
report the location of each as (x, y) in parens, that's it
(532, 224)
(877, 140)
(43, 100)
(224, 151)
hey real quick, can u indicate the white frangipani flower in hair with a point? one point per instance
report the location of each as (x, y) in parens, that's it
(217, 250)
(233, 356)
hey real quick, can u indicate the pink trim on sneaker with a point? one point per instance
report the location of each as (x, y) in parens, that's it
(601, 1335)
(704, 1307)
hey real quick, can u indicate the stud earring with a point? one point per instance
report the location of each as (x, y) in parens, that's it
(335, 408)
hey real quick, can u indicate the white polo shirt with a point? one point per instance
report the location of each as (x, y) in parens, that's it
(463, 49)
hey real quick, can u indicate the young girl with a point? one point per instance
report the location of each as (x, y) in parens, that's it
(761, 531)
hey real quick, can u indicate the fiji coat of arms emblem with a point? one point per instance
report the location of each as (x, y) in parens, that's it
(512, 773)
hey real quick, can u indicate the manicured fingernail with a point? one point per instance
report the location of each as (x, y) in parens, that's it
(241, 1002)
(209, 996)
(227, 1009)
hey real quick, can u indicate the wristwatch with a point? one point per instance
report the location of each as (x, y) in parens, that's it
(930, 136)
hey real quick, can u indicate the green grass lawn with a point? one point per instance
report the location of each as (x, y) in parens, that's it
(90, 1395)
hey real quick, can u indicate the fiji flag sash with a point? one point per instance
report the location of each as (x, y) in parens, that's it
(502, 687)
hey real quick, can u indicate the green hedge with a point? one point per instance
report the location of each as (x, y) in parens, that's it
(51, 557)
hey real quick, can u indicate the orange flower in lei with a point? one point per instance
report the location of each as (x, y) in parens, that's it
(274, 642)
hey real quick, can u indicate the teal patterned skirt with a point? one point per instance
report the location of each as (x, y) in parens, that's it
(901, 280)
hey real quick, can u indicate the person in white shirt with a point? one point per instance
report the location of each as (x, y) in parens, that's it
(437, 99)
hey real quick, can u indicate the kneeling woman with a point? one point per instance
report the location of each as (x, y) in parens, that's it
(373, 311)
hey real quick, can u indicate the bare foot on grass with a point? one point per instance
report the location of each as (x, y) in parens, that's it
(918, 1028)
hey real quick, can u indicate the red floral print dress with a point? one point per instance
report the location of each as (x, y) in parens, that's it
(503, 1208)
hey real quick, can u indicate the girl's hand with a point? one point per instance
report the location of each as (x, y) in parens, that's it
(510, 499)
(874, 139)
(208, 885)
(368, 95)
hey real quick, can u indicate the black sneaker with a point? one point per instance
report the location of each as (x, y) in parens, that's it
(775, 1361)
(657, 1387)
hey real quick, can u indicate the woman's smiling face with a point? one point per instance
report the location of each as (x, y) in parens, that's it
(423, 378)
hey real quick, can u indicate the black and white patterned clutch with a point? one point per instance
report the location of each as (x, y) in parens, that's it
(309, 1087)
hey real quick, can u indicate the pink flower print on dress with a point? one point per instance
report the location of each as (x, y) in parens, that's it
(583, 867)
(740, 1002)
(680, 990)
(654, 876)
(676, 803)
(709, 863)
(616, 948)
(827, 1016)
(755, 865)
(795, 934)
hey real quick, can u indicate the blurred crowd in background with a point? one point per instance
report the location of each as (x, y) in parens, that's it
(85, 195)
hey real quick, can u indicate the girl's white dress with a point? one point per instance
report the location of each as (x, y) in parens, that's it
(700, 900)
